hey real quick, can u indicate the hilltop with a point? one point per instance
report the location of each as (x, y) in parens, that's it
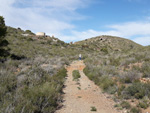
(109, 44)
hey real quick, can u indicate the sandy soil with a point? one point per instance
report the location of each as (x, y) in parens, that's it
(80, 96)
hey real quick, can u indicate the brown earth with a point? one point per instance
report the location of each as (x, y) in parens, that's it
(80, 96)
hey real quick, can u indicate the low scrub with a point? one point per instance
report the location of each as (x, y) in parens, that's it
(93, 108)
(104, 81)
(31, 90)
(135, 110)
(146, 69)
(125, 104)
(138, 90)
(129, 76)
(144, 103)
(76, 75)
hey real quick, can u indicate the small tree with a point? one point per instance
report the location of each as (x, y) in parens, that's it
(3, 42)
(2, 29)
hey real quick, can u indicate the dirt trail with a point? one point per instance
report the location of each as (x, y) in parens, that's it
(79, 98)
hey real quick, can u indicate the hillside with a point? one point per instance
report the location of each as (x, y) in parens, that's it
(109, 44)
(31, 46)
(124, 74)
(32, 76)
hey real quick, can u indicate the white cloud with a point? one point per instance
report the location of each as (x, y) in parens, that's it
(143, 40)
(132, 28)
(50, 16)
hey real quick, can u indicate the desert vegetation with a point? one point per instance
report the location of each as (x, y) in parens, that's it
(76, 75)
(120, 74)
(32, 73)
(27, 86)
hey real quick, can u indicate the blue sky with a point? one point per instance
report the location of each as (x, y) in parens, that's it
(74, 20)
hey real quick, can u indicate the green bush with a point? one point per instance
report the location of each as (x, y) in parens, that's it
(137, 90)
(135, 110)
(144, 103)
(146, 69)
(29, 32)
(93, 108)
(130, 76)
(114, 62)
(41, 98)
(125, 104)
(105, 50)
(120, 89)
(106, 82)
(88, 73)
(112, 90)
(76, 75)
(29, 39)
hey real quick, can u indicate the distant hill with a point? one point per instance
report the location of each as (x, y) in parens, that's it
(109, 43)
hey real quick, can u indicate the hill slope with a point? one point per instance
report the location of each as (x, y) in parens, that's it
(110, 43)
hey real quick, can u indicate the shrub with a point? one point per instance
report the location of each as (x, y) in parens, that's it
(41, 98)
(29, 32)
(143, 105)
(117, 105)
(76, 75)
(93, 108)
(136, 90)
(112, 90)
(120, 89)
(130, 76)
(88, 72)
(105, 50)
(135, 110)
(106, 82)
(114, 62)
(146, 69)
(29, 39)
(125, 104)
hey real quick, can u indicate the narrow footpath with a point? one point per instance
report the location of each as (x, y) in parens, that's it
(81, 96)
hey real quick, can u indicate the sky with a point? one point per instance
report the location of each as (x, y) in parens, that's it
(75, 20)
